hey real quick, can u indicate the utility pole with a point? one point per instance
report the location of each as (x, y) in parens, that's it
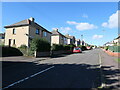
(82, 39)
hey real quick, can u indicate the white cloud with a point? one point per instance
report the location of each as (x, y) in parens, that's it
(97, 36)
(85, 26)
(72, 22)
(82, 26)
(65, 30)
(85, 16)
(112, 22)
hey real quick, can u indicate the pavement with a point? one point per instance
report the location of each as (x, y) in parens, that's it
(111, 71)
(80, 70)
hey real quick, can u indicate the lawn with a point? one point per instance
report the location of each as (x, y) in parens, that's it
(118, 59)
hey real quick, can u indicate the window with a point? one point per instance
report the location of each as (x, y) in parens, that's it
(37, 31)
(14, 31)
(45, 34)
(14, 42)
(1, 37)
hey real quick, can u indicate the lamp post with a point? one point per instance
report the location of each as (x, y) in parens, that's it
(82, 39)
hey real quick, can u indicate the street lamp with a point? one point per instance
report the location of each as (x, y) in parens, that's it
(82, 39)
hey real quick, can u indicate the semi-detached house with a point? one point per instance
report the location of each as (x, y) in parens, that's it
(24, 31)
(58, 38)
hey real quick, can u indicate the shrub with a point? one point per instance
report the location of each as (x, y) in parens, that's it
(40, 45)
(106, 47)
(23, 49)
(82, 47)
(57, 47)
(66, 47)
(10, 51)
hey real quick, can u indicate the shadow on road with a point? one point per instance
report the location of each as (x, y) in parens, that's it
(111, 77)
(61, 76)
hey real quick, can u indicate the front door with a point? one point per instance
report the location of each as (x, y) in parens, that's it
(9, 42)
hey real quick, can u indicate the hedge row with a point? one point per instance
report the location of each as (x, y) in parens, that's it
(57, 47)
(114, 48)
(10, 51)
(82, 47)
(40, 45)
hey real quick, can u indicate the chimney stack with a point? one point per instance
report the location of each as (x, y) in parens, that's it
(32, 19)
(55, 29)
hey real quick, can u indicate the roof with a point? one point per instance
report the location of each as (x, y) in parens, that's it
(26, 22)
(21, 23)
(71, 37)
(54, 32)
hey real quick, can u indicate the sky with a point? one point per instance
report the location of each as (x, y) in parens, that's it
(96, 21)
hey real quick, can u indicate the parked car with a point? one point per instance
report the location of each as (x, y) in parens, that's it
(88, 47)
(77, 50)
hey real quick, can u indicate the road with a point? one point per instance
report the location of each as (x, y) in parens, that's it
(79, 70)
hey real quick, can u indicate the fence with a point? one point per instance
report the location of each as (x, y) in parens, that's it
(114, 48)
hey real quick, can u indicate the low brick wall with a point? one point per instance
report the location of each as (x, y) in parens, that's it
(47, 54)
(116, 54)
(61, 52)
(42, 54)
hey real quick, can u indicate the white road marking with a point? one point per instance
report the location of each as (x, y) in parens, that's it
(102, 79)
(28, 77)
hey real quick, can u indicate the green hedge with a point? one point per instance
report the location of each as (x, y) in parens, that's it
(57, 47)
(82, 47)
(10, 51)
(114, 48)
(40, 45)
(26, 51)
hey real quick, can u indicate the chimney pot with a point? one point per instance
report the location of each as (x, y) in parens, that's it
(31, 19)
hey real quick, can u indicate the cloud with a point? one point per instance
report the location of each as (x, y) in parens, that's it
(112, 22)
(72, 22)
(65, 30)
(85, 16)
(82, 26)
(85, 26)
(97, 36)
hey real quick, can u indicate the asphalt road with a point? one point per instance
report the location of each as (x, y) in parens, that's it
(79, 70)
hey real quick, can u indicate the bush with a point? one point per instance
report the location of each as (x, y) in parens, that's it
(66, 47)
(10, 51)
(23, 49)
(57, 47)
(82, 47)
(40, 45)
(114, 48)
(106, 47)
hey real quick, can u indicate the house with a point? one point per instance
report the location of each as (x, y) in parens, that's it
(24, 31)
(117, 40)
(70, 39)
(2, 38)
(58, 38)
(77, 42)
(108, 44)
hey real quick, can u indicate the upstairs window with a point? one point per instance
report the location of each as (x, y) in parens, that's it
(45, 34)
(1, 37)
(14, 31)
(37, 31)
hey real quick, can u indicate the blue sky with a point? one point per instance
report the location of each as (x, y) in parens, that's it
(96, 21)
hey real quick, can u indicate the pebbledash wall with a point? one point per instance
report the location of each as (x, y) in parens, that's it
(19, 37)
(24, 33)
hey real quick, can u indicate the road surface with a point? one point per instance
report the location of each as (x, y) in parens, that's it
(79, 70)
